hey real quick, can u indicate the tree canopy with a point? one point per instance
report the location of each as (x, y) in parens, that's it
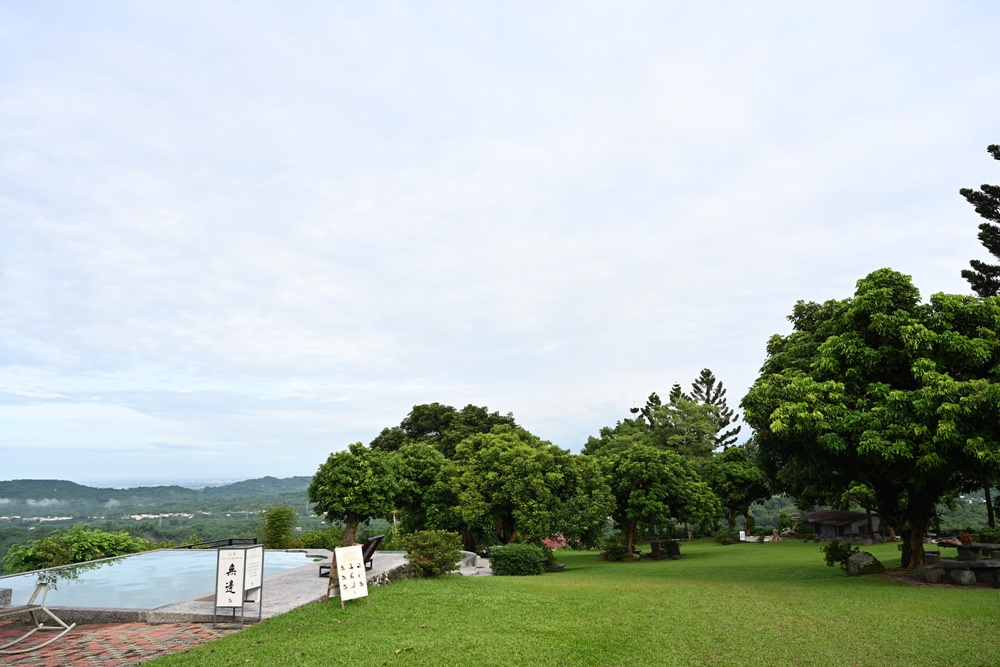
(355, 485)
(882, 390)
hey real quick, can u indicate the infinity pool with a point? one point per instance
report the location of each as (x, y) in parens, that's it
(143, 581)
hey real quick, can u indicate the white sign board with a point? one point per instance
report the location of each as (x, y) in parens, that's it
(351, 572)
(743, 536)
(255, 573)
(230, 577)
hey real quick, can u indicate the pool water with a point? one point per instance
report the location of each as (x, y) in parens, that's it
(142, 581)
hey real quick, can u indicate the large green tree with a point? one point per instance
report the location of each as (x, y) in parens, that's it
(516, 486)
(885, 391)
(355, 485)
(738, 481)
(441, 426)
(652, 486)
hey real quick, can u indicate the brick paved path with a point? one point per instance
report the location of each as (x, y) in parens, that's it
(108, 645)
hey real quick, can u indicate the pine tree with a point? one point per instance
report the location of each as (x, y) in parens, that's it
(985, 278)
(706, 389)
(646, 411)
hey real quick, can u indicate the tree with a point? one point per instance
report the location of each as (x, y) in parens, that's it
(441, 426)
(356, 485)
(516, 486)
(985, 281)
(709, 391)
(652, 486)
(985, 278)
(686, 427)
(277, 528)
(736, 479)
(883, 391)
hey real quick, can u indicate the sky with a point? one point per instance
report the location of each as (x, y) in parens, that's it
(237, 236)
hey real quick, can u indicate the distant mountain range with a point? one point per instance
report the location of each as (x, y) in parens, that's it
(38, 497)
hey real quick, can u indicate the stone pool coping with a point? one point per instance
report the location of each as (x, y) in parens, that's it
(282, 592)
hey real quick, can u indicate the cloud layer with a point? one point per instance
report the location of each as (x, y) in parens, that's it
(237, 237)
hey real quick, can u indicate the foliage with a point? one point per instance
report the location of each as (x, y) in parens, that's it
(518, 486)
(709, 391)
(650, 486)
(433, 552)
(738, 481)
(355, 485)
(883, 391)
(517, 560)
(614, 547)
(839, 551)
(276, 532)
(985, 278)
(76, 545)
(329, 539)
(725, 536)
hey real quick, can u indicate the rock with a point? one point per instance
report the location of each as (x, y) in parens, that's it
(963, 577)
(864, 563)
(933, 574)
(5, 596)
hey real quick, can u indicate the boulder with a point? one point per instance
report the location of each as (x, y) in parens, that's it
(5, 596)
(963, 577)
(932, 574)
(864, 563)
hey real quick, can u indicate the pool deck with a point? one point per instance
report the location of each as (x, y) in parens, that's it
(281, 593)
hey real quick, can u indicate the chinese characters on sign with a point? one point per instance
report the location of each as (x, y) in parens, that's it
(229, 578)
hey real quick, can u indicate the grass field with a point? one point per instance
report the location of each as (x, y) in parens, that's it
(747, 604)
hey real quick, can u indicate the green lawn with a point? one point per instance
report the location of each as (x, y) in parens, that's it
(766, 604)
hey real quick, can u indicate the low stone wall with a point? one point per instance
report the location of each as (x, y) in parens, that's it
(399, 571)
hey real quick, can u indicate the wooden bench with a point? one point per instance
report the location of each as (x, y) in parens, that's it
(33, 609)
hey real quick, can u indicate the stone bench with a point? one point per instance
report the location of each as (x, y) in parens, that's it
(986, 571)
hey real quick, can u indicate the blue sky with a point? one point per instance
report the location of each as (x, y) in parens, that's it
(237, 236)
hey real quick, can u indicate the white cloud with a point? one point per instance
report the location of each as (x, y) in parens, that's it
(241, 229)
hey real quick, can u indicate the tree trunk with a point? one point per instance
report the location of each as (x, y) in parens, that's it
(630, 537)
(468, 541)
(913, 543)
(350, 530)
(990, 519)
(751, 522)
(871, 528)
(690, 531)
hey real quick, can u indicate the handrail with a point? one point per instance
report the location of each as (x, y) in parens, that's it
(226, 541)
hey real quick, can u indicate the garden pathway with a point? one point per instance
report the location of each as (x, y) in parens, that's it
(110, 645)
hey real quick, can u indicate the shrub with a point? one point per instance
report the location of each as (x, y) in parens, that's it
(839, 551)
(989, 535)
(517, 560)
(432, 552)
(329, 539)
(614, 547)
(724, 536)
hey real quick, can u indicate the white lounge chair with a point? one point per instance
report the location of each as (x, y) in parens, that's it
(31, 609)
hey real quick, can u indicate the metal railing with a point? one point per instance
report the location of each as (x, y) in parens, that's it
(225, 542)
